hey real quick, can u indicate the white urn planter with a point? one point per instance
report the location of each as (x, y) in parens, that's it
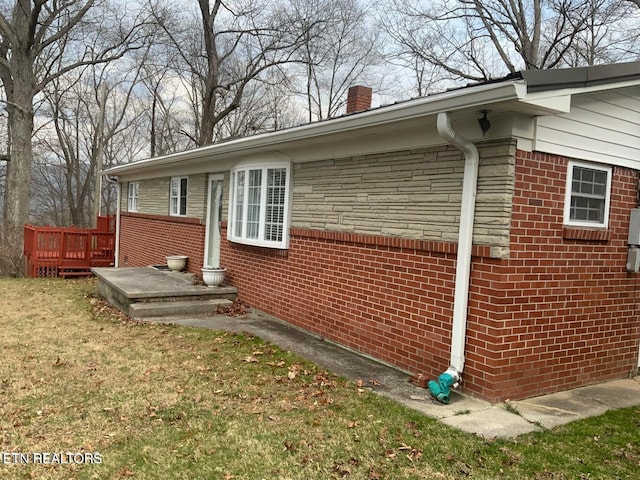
(176, 263)
(213, 276)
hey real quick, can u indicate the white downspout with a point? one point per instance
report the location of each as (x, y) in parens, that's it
(465, 243)
(117, 247)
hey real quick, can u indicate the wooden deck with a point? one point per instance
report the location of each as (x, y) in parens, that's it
(68, 252)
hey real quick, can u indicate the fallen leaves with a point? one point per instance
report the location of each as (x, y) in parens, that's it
(236, 309)
(362, 386)
(101, 309)
(294, 370)
(58, 363)
(125, 472)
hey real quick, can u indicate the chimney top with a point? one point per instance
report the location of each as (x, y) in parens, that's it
(358, 99)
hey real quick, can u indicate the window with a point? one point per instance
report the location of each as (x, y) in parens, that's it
(587, 196)
(132, 197)
(259, 205)
(178, 196)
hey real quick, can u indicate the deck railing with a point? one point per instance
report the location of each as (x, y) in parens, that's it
(70, 251)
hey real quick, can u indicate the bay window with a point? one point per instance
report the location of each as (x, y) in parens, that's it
(259, 205)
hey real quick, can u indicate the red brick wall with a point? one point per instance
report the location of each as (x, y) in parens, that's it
(358, 290)
(148, 239)
(562, 312)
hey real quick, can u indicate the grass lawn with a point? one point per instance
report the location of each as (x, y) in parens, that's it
(153, 401)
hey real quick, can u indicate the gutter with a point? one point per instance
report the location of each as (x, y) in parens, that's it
(440, 389)
(481, 95)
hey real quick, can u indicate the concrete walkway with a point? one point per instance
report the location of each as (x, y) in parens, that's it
(465, 413)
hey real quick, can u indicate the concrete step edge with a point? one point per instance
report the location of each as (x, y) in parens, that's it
(181, 307)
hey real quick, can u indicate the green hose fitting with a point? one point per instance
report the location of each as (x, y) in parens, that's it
(442, 388)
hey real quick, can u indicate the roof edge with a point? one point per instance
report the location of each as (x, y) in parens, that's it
(483, 94)
(580, 77)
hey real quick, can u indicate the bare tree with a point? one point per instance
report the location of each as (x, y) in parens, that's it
(479, 40)
(49, 205)
(409, 37)
(266, 106)
(167, 113)
(41, 41)
(74, 141)
(231, 45)
(610, 35)
(341, 48)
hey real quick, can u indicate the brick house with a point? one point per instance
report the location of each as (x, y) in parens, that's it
(368, 229)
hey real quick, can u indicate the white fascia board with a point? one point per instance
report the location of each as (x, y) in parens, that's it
(555, 102)
(598, 88)
(480, 96)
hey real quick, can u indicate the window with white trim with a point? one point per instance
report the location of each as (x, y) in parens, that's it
(132, 196)
(259, 205)
(178, 196)
(587, 195)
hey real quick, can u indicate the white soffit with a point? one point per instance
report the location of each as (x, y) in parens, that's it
(549, 104)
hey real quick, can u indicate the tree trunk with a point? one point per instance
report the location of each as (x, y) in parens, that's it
(18, 181)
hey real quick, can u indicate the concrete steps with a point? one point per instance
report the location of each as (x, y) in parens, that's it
(144, 292)
(176, 307)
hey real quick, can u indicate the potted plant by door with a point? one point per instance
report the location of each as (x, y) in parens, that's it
(213, 276)
(176, 263)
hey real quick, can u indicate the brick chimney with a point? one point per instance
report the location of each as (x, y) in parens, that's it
(358, 99)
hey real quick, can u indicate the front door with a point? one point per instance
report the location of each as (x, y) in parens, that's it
(214, 216)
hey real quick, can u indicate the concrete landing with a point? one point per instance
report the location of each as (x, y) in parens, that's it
(145, 291)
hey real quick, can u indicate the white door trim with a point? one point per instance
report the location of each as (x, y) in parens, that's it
(208, 226)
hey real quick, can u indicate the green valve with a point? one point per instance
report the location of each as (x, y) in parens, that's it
(442, 388)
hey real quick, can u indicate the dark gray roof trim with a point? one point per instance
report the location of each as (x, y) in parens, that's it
(542, 80)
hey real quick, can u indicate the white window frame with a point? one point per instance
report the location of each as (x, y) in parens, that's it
(132, 196)
(176, 201)
(568, 195)
(243, 238)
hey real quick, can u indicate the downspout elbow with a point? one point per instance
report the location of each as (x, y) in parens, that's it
(447, 133)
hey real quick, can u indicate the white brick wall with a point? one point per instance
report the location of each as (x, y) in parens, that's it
(153, 196)
(411, 194)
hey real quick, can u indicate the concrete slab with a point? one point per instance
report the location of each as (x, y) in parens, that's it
(178, 307)
(466, 413)
(563, 407)
(495, 421)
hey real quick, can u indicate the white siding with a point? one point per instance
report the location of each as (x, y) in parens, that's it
(601, 127)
